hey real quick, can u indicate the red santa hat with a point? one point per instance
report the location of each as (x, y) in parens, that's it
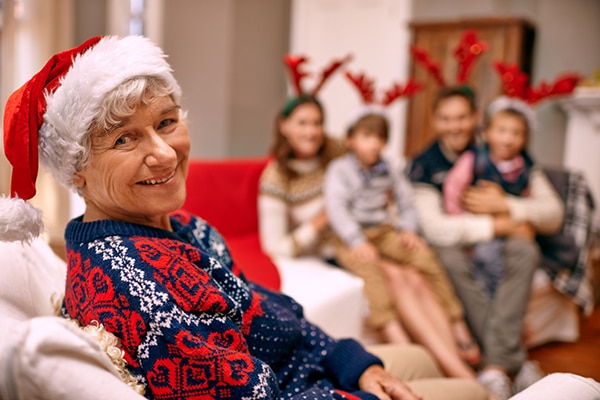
(50, 115)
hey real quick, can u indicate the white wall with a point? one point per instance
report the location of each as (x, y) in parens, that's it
(226, 55)
(375, 32)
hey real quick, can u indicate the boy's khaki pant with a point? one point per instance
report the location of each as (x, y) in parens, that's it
(381, 304)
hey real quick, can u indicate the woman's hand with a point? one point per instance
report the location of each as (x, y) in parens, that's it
(375, 380)
(365, 252)
(411, 241)
(485, 198)
(320, 221)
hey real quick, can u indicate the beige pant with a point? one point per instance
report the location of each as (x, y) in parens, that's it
(377, 290)
(414, 366)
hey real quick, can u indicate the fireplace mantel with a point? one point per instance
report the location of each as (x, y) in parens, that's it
(585, 100)
(582, 139)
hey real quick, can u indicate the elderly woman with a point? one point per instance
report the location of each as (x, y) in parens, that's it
(111, 127)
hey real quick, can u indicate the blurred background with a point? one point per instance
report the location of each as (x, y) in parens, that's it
(227, 56)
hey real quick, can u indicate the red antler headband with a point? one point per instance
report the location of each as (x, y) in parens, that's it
(366, 88)
(515, 84)
(466, 53)
(294, 64)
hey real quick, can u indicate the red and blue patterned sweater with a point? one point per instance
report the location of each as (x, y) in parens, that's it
(191, 326)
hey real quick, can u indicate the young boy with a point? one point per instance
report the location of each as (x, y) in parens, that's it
(359, 190)
(502, 160)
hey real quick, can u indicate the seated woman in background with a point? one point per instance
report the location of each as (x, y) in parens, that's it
(293, 221)
(110, 126)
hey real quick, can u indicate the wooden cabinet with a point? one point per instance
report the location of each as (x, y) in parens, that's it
(508, 40)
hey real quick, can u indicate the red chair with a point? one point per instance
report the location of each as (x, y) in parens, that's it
(224, 193)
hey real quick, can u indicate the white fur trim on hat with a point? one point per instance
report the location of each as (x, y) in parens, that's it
(19, 220)
(71, 109)
(505, 102)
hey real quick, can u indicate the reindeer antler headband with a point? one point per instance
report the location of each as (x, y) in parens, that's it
(366, 89)
(296, 75)
(522, 97)
(515, 84)
(466, 53)
(294, 65)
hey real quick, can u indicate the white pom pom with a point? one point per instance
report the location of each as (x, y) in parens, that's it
(19, 220)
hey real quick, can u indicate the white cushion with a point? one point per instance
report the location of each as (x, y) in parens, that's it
(51, 358)
(332, 298)
(32, 275)
(560, 386)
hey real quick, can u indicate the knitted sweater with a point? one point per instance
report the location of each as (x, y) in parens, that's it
(287, 206)
(357, 199)
(190, 326)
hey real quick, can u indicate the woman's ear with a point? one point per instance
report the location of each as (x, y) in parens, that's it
(78, 181)
(282, 126)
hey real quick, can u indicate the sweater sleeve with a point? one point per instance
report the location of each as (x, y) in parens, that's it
(347, 362)
(458, 179)
(338, 191)
(543, 208)
(442, 229)
(277, 237)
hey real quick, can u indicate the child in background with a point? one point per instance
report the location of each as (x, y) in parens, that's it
(502, 159)
(373, 242)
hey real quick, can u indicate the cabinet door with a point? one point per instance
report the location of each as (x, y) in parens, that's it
(508, 40)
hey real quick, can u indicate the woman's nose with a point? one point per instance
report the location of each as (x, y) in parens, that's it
(159, 150)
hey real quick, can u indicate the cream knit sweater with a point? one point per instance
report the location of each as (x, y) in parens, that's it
(286, 207)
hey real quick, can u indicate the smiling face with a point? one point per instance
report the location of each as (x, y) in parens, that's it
(506, 135)
(303, 129)
(454, 122)
(137, 171)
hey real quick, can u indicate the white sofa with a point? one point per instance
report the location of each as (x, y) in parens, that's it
(333, 299)
(43, 356)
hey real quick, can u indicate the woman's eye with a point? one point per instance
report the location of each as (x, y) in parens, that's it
(122, 140)
(164, 123)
